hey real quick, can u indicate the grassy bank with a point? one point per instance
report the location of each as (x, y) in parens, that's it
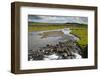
(82, 34)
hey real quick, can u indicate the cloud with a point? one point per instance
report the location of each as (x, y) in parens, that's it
(57, 19)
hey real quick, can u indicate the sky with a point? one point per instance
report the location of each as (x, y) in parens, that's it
(57, 19)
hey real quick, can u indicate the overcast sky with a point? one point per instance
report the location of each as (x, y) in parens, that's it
(57, 19)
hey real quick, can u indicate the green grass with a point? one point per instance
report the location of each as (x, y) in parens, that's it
(44, 27)
(78, 30)
(82, 34)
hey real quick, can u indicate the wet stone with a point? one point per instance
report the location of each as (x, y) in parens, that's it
(62, 50)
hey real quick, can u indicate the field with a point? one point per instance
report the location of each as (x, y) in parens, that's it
(79, 30)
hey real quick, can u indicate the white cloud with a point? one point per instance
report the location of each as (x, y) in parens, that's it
(58, 19)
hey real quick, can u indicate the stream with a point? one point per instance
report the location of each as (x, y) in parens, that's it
(53, 45)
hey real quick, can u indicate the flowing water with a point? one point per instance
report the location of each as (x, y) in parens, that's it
(40, 39)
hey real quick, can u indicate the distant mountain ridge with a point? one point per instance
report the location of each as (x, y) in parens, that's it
(41, 23)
